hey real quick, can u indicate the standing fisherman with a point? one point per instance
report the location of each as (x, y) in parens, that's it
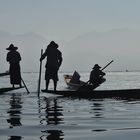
(54, 60)
(14, 58)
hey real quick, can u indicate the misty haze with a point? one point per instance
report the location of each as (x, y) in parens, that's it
(91, 91)
(81, 53)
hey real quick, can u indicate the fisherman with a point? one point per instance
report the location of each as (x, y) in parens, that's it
(96, 76)
(14, 58)
(54, 61)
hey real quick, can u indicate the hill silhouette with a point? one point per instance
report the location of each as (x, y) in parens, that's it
(81, 53)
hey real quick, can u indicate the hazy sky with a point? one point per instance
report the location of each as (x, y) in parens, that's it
(66, 19)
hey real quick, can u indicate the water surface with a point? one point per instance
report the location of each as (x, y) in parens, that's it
(26, 117)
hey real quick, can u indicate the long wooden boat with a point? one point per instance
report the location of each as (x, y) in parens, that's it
(122, 93)
(3, 90)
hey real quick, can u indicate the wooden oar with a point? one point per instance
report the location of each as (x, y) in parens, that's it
(25, 85)
(101, 70)
(40, 69)
(107, 65)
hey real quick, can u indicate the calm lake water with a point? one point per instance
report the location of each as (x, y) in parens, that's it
(26, 117)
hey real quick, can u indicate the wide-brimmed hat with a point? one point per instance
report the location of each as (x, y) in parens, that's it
(52, 43)
(12, 47)
(96, 66)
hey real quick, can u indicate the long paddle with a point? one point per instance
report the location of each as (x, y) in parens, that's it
(25, 85)
(107, 65)
(40, 69)
(101, 70)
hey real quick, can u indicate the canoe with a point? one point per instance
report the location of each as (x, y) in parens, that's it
(3, 90)
(119, 94)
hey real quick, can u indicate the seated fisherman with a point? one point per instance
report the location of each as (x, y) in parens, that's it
(96, 75)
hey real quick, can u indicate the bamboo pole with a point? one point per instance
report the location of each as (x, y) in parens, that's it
(25, 85)
(40, 69)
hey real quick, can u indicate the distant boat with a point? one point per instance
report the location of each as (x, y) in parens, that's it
(126, 70)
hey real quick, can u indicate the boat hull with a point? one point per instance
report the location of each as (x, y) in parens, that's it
(3, 90)
(4, 74)
(123, 94)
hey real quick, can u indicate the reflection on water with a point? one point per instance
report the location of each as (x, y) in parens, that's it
(98, 108)
(15, 111)
(49, 112)
(26, 117)
(53, 112)
(53, 116)
(53, 135)
(15, 114)
(15, 138)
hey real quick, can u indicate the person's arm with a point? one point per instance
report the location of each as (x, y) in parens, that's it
(7, 58)
(102, 73)
(19, 56)
(43, 55)
(60, 60)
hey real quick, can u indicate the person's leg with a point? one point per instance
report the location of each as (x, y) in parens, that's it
(47, 84)
(13, 86)
(55, 78)
(47, 78)
(55, 84)
(20, 85)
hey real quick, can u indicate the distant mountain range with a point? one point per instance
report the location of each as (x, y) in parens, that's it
(29, 46)
(121, 45)
(81, 53)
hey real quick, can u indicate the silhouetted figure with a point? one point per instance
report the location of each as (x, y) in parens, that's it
(54, 60)
(96, 76)
(14, 58)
